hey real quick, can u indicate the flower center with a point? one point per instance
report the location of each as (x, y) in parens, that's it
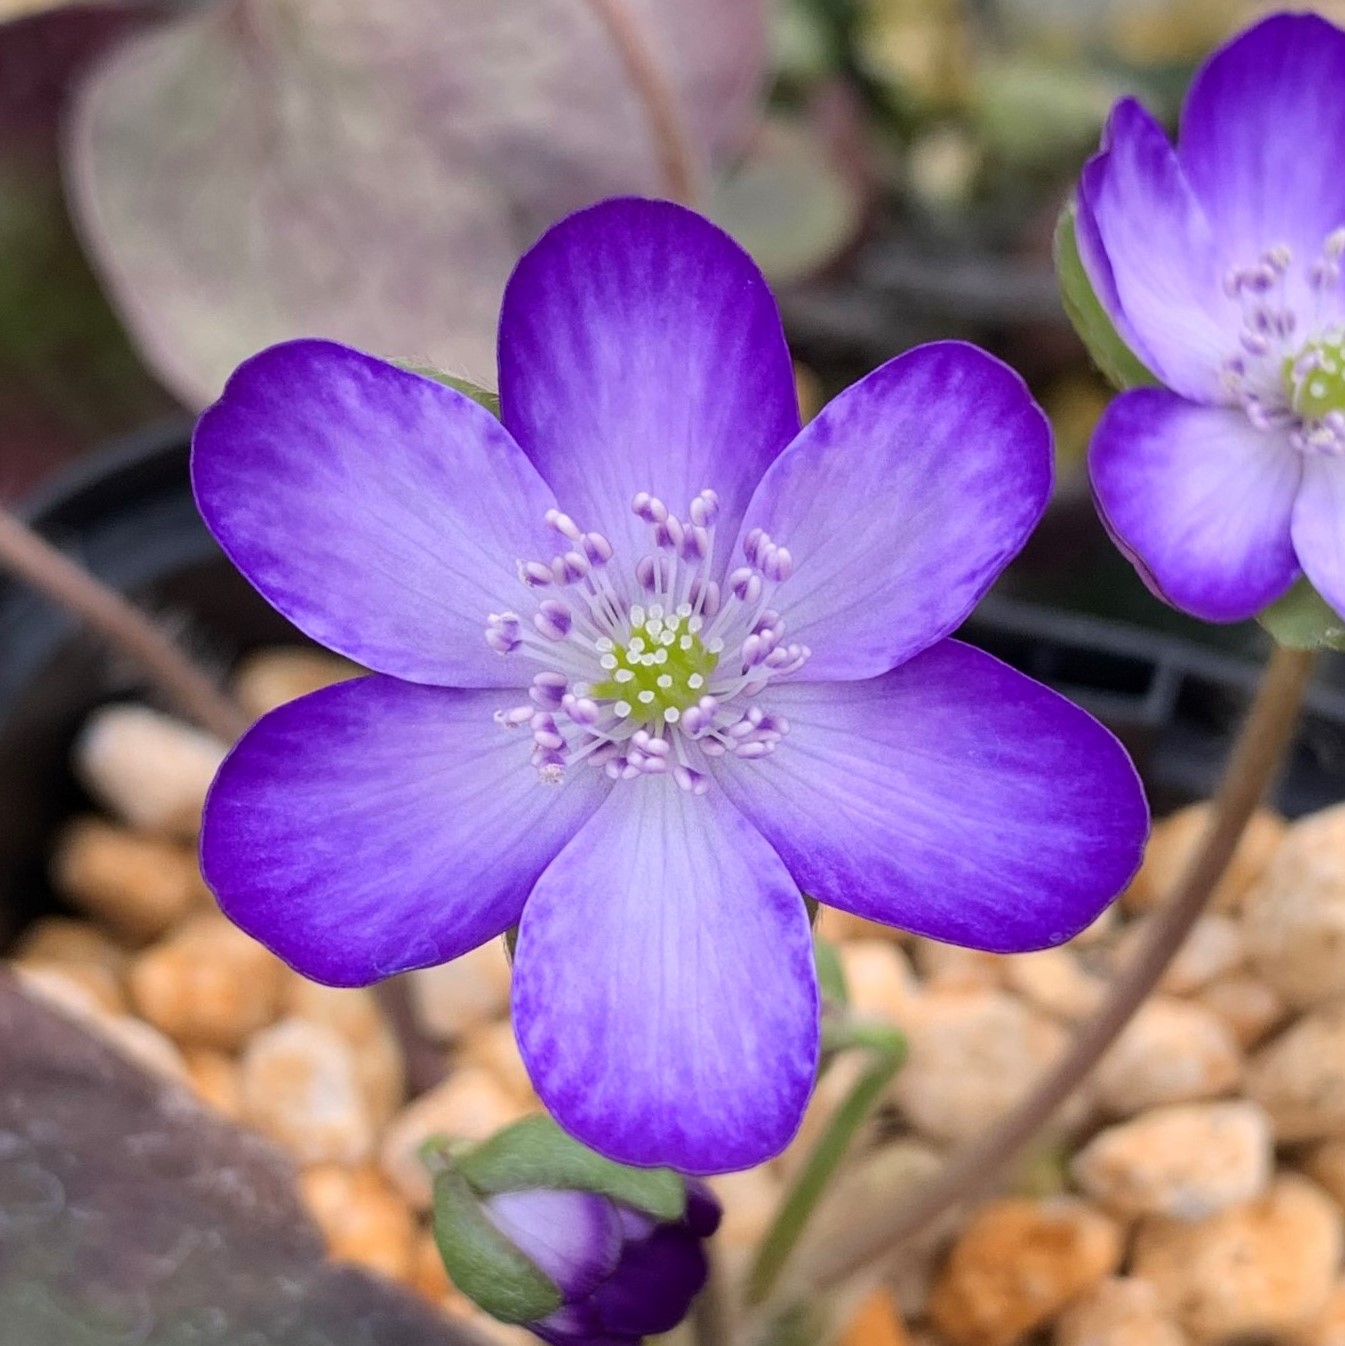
(654, 667)
(1314, 379)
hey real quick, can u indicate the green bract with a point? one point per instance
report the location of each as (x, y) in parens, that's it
(1302, 620)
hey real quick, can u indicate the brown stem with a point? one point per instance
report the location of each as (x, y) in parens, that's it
(711, 1314)
(35, 561)
(1252, 767)
(676, 161)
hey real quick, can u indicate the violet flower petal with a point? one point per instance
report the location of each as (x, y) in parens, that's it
(1260, 140)
(1318, 533)
(953, 797)
(1201, 497)
(901, 503)
(380, 511)
(573, 1237)
(1165, 270)
(377, 826)
(665, 997)
(641, 350)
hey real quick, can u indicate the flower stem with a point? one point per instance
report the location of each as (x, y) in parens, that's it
(30, 557)
(711, 1321)
(1253, 765)
(677, 163)
(887, 1050)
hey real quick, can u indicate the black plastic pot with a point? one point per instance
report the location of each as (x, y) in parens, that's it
(128, 515)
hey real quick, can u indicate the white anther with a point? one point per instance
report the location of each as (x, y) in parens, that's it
(553, 619)
(690, 780)
(597, 549)
(563, 524)
(569, 568)
(535, 574)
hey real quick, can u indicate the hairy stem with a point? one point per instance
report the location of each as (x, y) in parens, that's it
(191, 691)
(676, 160)
(1252, 767)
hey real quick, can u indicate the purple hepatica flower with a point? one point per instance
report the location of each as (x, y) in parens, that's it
(639, 727)
(1219, 263)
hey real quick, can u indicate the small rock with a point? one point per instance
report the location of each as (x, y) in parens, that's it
(215, 1078)
(1172, 1051)
(494, 1048)
(879, 980)
(208, 984)
(973, 1054)
(842, 926)
(1173, 845)
(1295, 916)
(58, 939)
(949, 967)
(1017, 1264)
(356, 1014)
(138, 886)
(149, 770)
(469, 1105)
(1213, 949)
(1251, 1009)
(877, 1322)
(453, 998)
(1327, 1327)
(1054, 982)
(1120, 1311)
(1261, 1269)
(362, 1218)
(749, 1199)
(1325, 1164)
(300, 1085)
(269, 678)
(101, 983)
(1186, 1161)
(1299, 1077)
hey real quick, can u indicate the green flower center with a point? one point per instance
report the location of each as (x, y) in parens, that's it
(661, 670)
(1314, 379)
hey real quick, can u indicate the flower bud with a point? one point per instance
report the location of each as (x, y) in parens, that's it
(538, 1230)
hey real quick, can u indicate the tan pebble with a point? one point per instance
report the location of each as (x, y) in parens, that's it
(1173, 844)
(208, 984)
(144, 1044)
(1325, 1164)
(1251, 1009)
(1053, 981)
(58, 939)
(429, 1277)
(879, 979)
(1260, 1269)
(494, 1048)
(1100, 932)
(1120, 1311)
(1188, 1160)
(750, 1199)
(453, 998)
(973, 1054)
(102, 983)
(1327, 1326)
(215, 1078)
(60, 987)
(1017, 1264)
(1213, 949)
(842, 926)
(1299, 1077)
(877, 1322)
(362, 1218)
(469, 1105)
(356, 1014)
(1295, 915)
(1172, 1051)
(949, 967)
(138, 886)
(300, 1086)
(501, 1334)
(151, 771)
(269, 678)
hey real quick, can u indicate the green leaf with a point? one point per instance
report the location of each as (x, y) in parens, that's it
(481, 396)
(1302, 620)
(481, 1261)
(830, 973)
(537, 1153)
(1112, 356)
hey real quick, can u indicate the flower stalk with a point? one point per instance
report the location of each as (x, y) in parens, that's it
(1253, 766)
(192, 692)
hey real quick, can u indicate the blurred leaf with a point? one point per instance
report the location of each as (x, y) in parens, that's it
(1039, 113)
(1111, 355)
(370, 173)
(1303, 620)
(789, 203)
(481, 396)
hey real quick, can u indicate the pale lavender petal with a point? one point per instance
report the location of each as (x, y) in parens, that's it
(665, 998)
(572, 1237)
(1200, 499)
(641, 350)
(381, 512)
(1319, 527)
(1261, 135)
(1162, 283)
(378, 826)
(952, 797)
(901, 503)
